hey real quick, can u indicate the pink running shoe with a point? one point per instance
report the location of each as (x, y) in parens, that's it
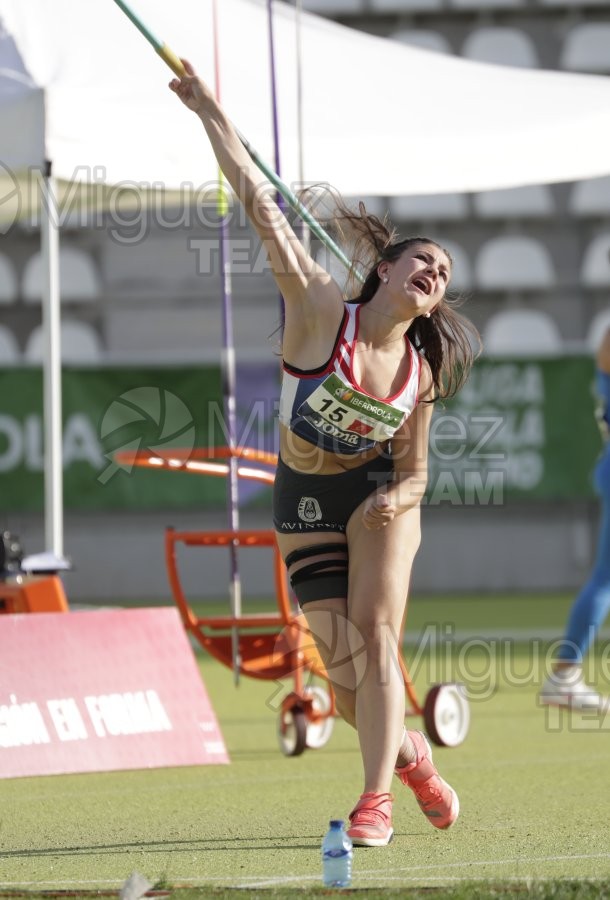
(438, 801)
(371, 821)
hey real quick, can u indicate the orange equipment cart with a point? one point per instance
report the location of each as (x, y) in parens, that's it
(277, 645)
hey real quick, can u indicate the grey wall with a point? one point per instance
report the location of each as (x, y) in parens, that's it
(495, 549)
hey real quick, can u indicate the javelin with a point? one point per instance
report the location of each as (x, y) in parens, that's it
(177, 67)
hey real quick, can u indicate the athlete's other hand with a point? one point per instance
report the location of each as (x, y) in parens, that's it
(378, 512)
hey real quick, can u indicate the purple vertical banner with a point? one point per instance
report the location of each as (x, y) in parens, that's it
(257, 397)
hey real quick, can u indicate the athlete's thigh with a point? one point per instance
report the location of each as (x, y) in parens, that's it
(336, 639)
(380, 563)
(287, 543)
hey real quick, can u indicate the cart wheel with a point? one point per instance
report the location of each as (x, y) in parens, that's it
(319, 732)
(447, 714)
(292, 731)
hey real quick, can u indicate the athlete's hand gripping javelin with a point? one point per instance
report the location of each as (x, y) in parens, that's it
(193, 92)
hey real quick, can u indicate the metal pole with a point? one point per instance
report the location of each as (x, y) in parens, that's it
(52, 405)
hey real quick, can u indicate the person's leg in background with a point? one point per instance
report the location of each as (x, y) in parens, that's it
(565, 685)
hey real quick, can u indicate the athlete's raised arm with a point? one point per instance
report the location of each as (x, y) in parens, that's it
(300, 279)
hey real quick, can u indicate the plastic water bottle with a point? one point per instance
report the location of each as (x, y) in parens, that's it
(337, 853)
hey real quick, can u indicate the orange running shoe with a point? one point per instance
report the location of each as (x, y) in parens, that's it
(371, 821)
(438, 801)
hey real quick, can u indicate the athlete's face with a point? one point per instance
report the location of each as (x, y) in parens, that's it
(421, 274)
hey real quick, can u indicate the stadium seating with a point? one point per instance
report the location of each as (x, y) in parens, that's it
(514, 262)
(8, 281)
(429, 207)
(503, 241)
(461, 275)
(595, 270)
(587, 48)
(501, 46)
(398, 6)
(520, 332)
(528, 202)
(192, 336)
(333, 7)
(486, 5)
(9, 349)
(164, 335)
(376, 206)
(424, 38)
(597, 328)
(590, 197)
(569, 4)
(78, 277)
(80, 344)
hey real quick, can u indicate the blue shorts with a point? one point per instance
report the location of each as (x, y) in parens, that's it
(308, 503)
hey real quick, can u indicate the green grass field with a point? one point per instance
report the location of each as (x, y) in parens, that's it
(532, 785)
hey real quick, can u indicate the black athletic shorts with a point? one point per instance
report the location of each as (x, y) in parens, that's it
(305, 503)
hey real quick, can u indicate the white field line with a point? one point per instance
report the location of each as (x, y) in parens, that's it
(375, 873)
(425, 870)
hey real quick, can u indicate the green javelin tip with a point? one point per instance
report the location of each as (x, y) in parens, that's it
(157, 44)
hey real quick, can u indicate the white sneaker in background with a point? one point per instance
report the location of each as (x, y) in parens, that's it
(566, 687)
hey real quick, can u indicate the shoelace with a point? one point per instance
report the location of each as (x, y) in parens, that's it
(367, 816)
(427, 792)
(370, 812)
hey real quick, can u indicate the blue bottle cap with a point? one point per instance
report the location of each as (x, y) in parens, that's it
(336, 823)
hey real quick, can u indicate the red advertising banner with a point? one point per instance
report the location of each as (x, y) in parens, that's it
(102, 690)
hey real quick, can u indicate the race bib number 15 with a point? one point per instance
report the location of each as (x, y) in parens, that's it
(350, 412)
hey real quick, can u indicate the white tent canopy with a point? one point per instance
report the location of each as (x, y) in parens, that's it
(379, 117)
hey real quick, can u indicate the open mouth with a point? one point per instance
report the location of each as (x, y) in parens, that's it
(423, 285)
